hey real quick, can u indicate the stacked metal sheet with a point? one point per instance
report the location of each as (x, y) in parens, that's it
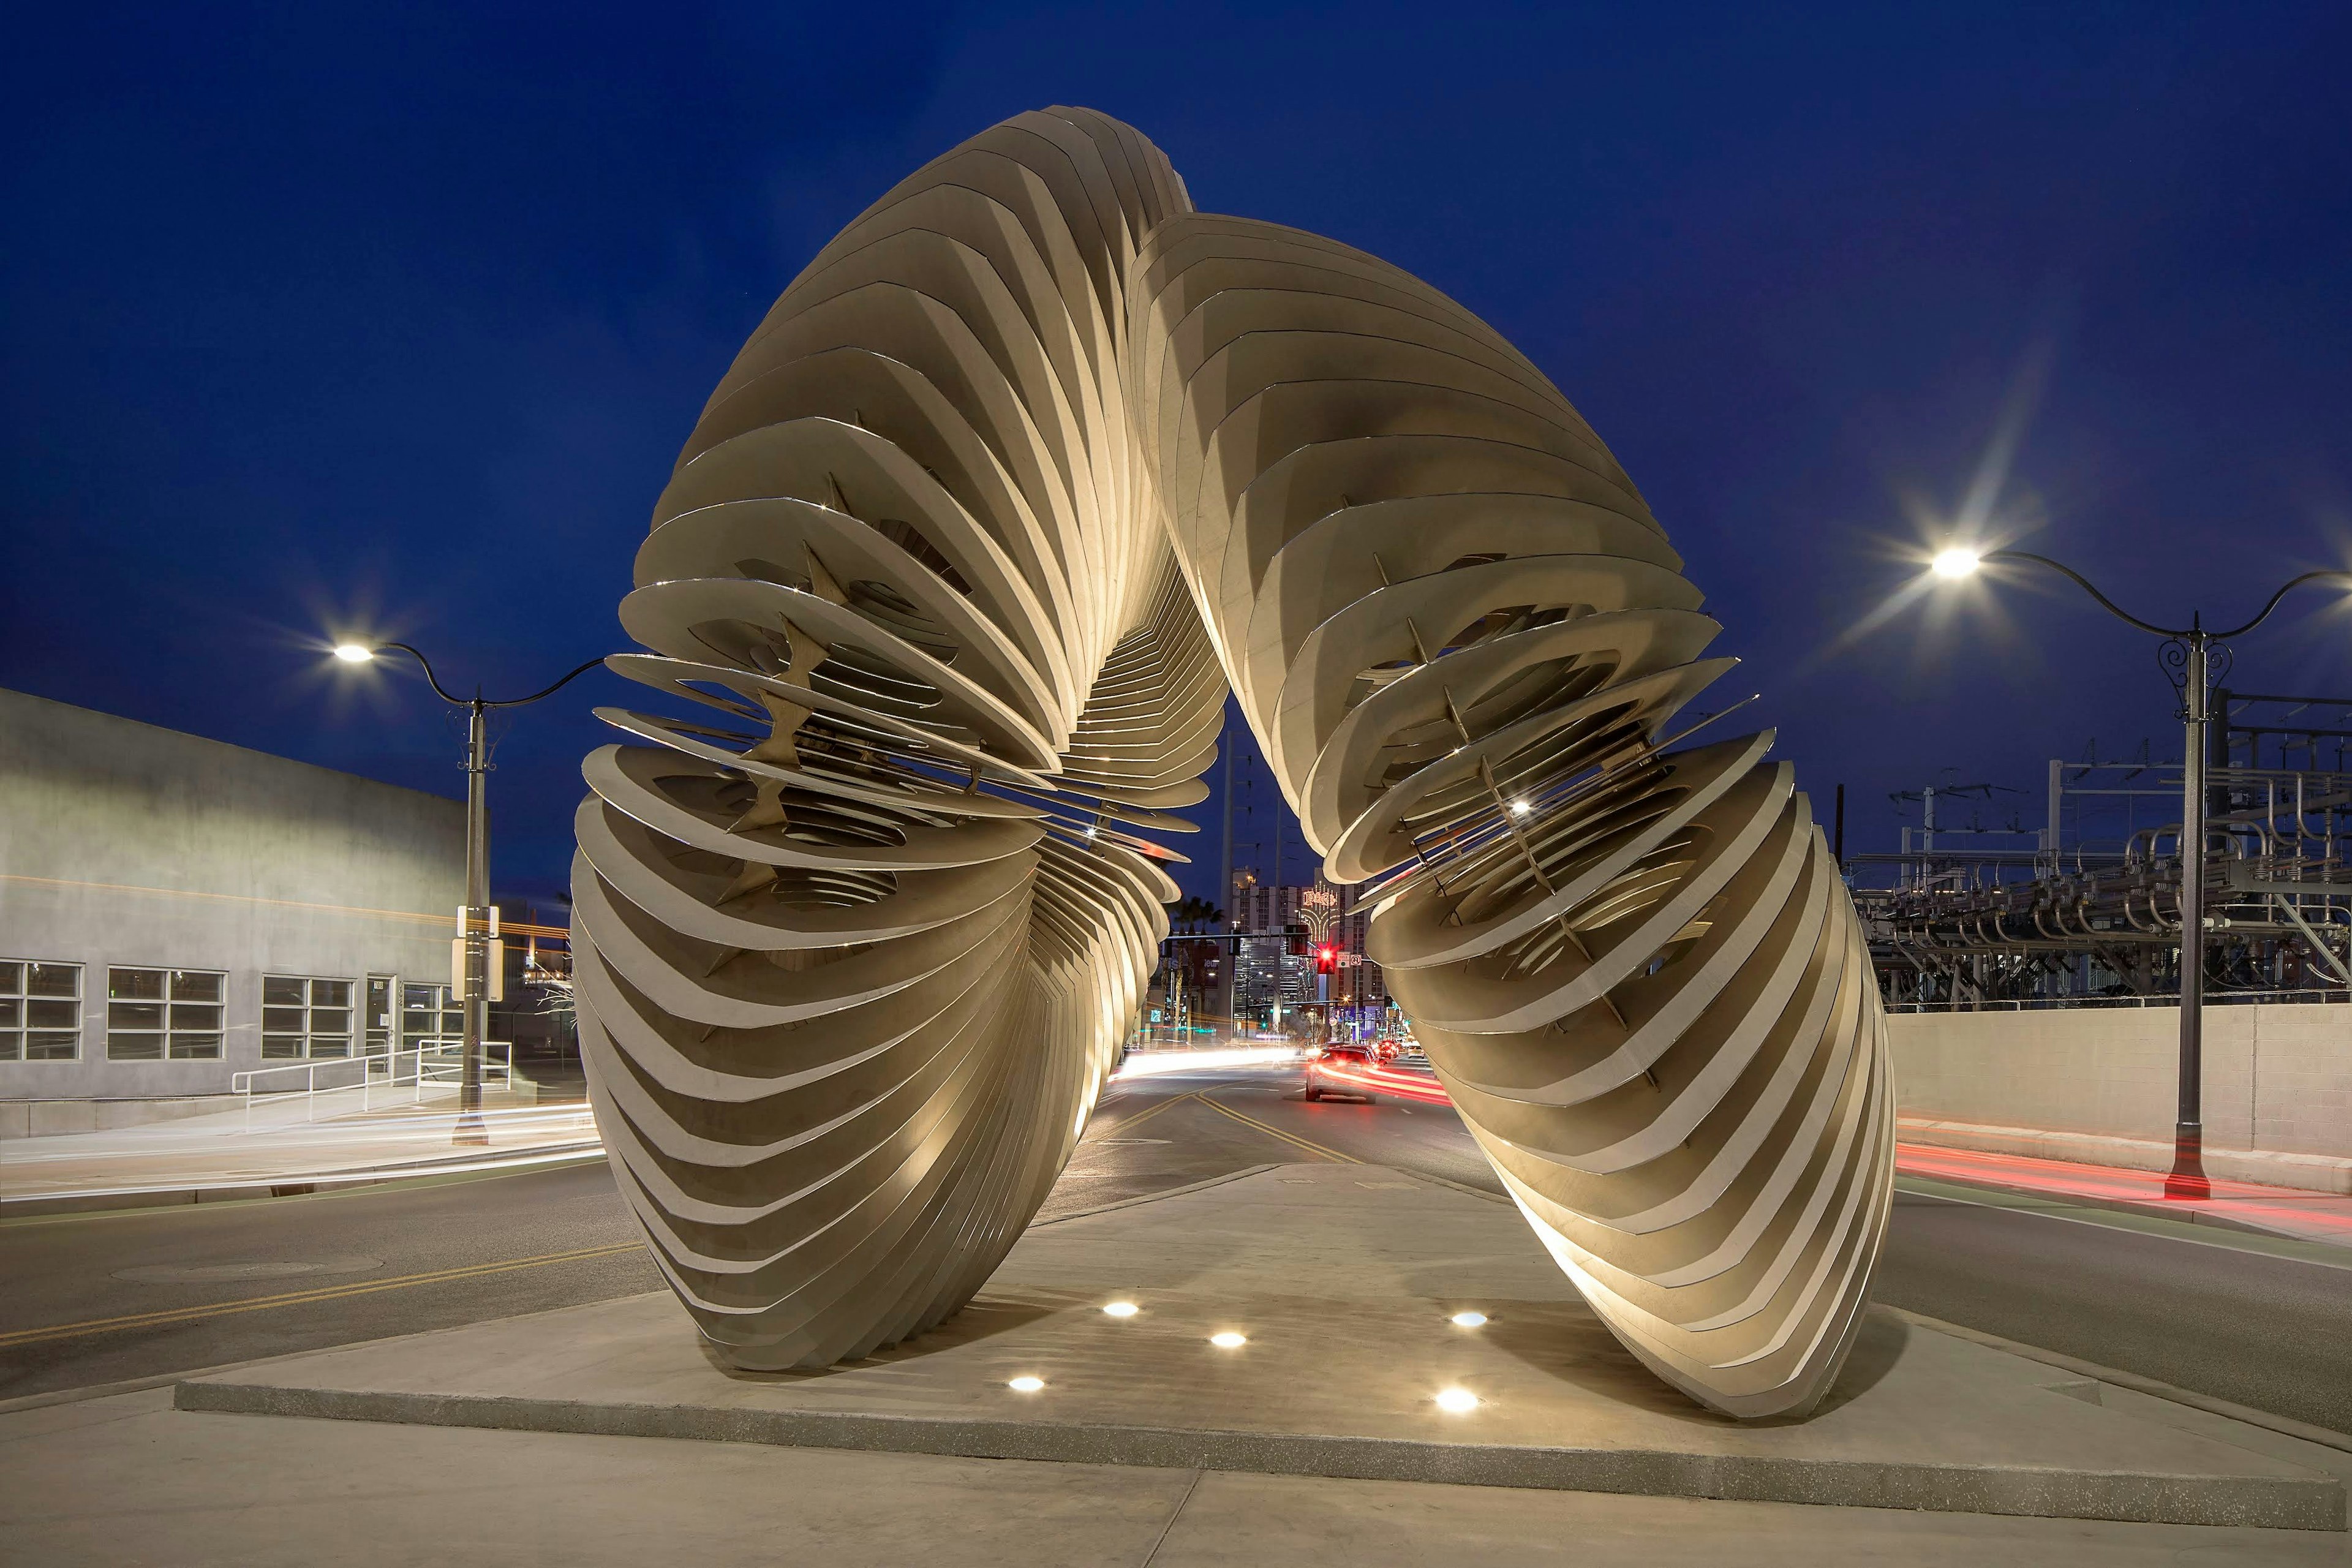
(1025, 460)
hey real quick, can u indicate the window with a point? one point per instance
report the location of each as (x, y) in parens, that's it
(305, 1017)
(40, 1011)
(428, 1013)
(152, 1015)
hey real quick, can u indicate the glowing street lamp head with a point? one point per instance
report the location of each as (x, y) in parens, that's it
(1957, 561)
(353, 653)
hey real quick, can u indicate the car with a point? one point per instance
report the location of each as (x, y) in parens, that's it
(1340, 1069)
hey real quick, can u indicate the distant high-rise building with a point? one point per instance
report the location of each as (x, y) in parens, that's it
(1274, 964)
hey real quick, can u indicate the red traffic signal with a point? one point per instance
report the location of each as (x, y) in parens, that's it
(1326, 960)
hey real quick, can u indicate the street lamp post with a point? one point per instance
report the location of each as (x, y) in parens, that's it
(2187, 655)
(474, 920)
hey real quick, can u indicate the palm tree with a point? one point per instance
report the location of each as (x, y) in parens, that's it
(1191, 913)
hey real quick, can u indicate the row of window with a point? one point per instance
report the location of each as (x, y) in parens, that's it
(174, 1015)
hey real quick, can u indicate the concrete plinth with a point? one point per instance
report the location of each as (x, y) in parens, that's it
(1342, 1278)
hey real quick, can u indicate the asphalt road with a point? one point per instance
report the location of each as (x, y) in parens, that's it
(100, 1299)
(2232, 1319)
(106, 1298)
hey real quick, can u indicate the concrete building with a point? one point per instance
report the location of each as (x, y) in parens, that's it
(174, 911)
(1274, 963)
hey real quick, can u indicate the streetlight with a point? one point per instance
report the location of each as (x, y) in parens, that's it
(2186, 655)
(474, 920)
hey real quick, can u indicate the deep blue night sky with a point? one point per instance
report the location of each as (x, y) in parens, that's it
(315, 317)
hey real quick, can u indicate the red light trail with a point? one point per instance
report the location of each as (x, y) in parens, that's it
(2320, 1216)
(2317, 1216)
(1391, 1082)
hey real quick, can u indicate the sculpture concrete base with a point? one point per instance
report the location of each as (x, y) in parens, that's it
(1343, 1279)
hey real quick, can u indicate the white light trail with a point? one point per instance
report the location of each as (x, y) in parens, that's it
(1147, 1064)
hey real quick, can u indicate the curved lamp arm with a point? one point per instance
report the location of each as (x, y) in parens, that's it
(2086, 585)
(434, 681)
(430, 678)
(551, 690)
(2121, 614)
(2336, 576)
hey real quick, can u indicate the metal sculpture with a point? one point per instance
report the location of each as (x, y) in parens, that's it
(956, 554)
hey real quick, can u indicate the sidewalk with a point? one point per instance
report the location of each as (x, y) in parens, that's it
(212, 1158)
(2292, 1212)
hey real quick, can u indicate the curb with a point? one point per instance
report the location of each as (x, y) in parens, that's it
(2178, 1212)
(2317, 1503)
(292, 1186)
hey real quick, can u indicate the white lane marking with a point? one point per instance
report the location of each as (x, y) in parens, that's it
(2109, 1226)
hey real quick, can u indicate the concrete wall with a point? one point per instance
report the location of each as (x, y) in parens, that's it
(2277, 1083)
(121, 842)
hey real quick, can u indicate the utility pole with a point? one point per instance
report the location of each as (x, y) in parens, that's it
(2187, 1177)
(474, 924)
(1281, 810)
(1225, 877)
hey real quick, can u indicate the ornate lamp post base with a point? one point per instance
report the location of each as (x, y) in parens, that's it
(2187, 1177)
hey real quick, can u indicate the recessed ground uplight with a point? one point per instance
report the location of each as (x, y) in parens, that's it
(1120, 1308)
(1468, 1320)
(1026, 1384)
(1457, 1401)
(1228, 1340)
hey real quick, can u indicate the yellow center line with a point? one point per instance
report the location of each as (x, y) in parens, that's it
(1126, 1122)
(299, 1298)
(1311, 1147)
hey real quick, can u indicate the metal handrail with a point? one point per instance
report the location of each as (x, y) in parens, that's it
(2335, 995)
(434, 1061)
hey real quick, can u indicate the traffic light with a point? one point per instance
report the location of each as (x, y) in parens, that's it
(1327, 959)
